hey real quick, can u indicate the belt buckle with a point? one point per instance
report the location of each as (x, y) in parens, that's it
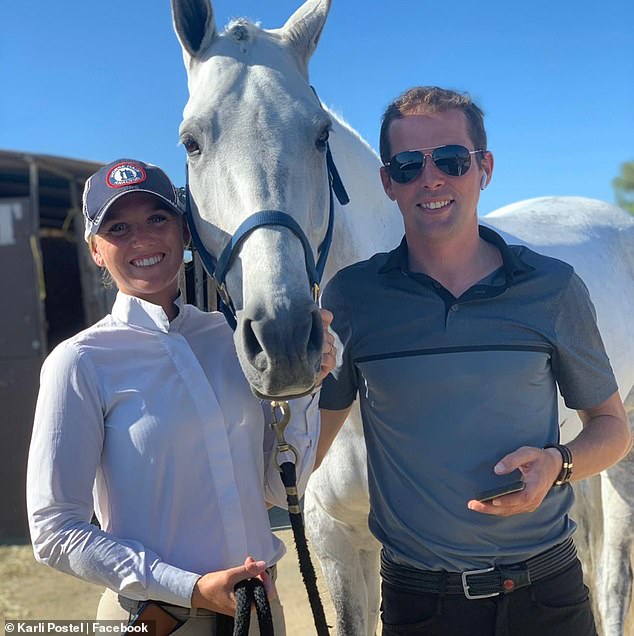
(465, 584)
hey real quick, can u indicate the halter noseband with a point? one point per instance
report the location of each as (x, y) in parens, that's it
(218, 268)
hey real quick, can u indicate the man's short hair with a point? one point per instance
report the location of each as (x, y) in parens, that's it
(431, 99)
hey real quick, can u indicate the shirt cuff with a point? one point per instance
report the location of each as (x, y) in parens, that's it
(172, 585)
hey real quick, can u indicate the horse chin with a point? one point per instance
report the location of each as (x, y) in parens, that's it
(278, 385)
(283, 396)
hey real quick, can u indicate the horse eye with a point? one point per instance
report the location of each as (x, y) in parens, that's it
(322, 140)
(191, 145)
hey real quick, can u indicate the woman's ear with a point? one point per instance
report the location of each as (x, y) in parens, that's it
(94, 252)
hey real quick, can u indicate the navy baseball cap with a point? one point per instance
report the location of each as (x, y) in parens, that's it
(120, 178)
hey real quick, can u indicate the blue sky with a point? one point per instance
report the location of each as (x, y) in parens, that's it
(96, 80)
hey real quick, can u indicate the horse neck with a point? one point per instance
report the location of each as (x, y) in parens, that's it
(370, 223)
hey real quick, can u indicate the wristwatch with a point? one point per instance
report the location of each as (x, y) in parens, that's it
(566, 468)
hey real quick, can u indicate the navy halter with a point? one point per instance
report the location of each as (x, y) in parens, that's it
(218, 268)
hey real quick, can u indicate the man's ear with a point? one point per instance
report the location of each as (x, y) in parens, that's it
(487, 165)
(387, 183)
(187, 235)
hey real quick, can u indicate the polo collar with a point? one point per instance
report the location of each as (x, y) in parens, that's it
(514, 266)
(140, 313)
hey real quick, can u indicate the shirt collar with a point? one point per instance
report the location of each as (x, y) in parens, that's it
(514, 266)
(140, 313)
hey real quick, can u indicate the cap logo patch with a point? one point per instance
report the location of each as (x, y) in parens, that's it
(125, 174)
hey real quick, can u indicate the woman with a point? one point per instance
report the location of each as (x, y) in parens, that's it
(146, 418)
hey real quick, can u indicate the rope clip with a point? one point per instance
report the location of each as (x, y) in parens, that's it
(279, 427)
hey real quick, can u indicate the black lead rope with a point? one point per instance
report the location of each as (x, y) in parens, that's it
(289, 479)
(251, 592)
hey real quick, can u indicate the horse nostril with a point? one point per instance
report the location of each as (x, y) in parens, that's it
(253, 347)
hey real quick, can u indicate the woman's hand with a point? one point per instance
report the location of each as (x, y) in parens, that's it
(214, 591)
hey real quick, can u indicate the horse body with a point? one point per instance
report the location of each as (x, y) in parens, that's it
(598, 240)
(254, 133)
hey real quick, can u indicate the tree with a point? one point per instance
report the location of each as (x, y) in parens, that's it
(624, 187)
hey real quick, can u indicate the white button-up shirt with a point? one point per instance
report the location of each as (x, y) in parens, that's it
(152, 425)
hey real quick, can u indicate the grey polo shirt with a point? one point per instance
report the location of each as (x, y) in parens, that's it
(448, 386)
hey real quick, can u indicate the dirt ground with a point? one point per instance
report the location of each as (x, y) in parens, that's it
(29, 590)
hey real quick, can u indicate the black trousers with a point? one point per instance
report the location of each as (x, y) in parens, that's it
(555, 606)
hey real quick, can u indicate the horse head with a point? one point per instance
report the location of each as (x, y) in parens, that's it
(256, 138)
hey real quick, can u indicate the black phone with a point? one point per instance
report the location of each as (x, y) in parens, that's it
(500, 491)
(155, 620)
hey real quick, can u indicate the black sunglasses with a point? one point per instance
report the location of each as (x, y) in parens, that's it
(453, 160)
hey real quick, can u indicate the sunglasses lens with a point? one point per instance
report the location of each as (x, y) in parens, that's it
(406, 166)
(452, 160)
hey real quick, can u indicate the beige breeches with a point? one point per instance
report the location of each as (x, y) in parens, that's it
(197, 622)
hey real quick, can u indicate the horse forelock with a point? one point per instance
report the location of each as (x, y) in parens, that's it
(242, 29)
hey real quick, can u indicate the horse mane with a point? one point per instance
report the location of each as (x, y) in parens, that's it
(338, 116)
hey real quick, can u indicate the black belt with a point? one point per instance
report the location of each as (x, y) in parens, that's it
(483, 583)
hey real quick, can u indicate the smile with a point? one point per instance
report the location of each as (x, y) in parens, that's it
(147, 262)
(434, 205)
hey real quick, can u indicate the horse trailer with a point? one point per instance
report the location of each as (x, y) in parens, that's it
(51, 290)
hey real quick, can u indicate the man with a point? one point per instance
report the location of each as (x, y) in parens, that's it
(455, 343)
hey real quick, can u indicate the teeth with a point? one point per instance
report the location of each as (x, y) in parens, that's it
(146, 262)
(434, 205)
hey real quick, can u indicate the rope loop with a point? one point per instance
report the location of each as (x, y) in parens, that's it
(249, 592)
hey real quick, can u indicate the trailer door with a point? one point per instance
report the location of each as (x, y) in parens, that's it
(22, 348)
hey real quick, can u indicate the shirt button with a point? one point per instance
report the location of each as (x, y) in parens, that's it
(454, 307)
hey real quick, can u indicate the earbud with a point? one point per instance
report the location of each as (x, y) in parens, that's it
(483, 183)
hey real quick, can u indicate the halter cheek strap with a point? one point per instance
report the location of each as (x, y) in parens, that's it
(218, 268)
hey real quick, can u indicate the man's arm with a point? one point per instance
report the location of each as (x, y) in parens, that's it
(605, 439)
(331, 423)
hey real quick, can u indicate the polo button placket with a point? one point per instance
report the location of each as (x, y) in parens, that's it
(451, 312)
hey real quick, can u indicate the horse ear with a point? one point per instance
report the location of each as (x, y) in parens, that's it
(303, 29)
(194, 24)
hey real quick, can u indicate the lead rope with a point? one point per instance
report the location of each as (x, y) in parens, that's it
(289, 479)
(251, 592)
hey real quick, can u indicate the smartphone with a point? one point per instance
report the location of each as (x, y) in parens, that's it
(500, 491)
(158, 621)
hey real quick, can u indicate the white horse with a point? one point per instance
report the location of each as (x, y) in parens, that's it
(255, 137)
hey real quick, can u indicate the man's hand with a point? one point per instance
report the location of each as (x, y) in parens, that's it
(604, 439)
(329, 351)
(539, 469)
